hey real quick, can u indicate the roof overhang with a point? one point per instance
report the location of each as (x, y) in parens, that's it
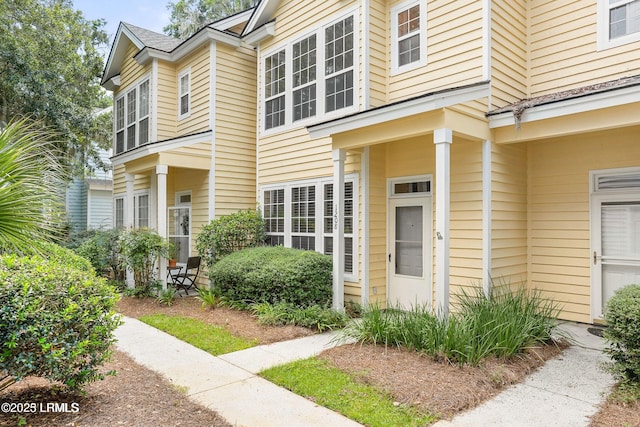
(118, 53)
(264, 32)
(155, 149)
(262, 14)
(409, 117)
(598, 111)
(205, 35)
(232, 20)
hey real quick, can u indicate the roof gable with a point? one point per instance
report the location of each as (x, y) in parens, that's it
(262, 14)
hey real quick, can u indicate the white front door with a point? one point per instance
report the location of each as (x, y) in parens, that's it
(409, 251)
(616, 247)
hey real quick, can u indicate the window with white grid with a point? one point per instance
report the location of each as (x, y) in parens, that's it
(618, 22)
(348, 223)
(338, 65)
(304, 78)
(131, 117)
(274, 90)
(408, 36)
(273, 213)
(303, 217)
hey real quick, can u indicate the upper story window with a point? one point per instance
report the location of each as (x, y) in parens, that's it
(311, 76)
(618, 22)
(274, 91)
(408, 33)
(184, 94)
(132, 117)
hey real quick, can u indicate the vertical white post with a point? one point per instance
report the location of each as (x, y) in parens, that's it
(486, 217)
(338, 229)
(129, 217)
(442, 138)
(364, 181)
(161, 197)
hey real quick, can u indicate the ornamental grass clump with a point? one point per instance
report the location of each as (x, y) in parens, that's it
(502, 324)
(56, 318)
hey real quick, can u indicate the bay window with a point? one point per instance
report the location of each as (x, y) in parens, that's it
(132, 117)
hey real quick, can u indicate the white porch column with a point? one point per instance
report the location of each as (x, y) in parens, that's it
(338, 229)
(486, 217)
(129, 220)
(161, 198)
(442, 138)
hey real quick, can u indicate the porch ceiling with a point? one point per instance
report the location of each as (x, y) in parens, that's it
(536, 126)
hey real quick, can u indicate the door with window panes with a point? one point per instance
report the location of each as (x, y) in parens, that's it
(179, 224)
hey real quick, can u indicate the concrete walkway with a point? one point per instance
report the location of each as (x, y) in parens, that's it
(564, 392)
(229, 384)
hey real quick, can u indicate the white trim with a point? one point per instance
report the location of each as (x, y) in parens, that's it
(422, 35)
(213, 81)
(123, 197)
(364, 186)
(604, 42)
(152, 109)
(391, 182)
(597, 101)
(255, 37)
(442, 138)
(338, 251)
(486, 215)
(400, 110)
(366, 61)
(486, 46)
(321, 77)
(153, 103)
(158, 147)
(232, 20)
(185, 72)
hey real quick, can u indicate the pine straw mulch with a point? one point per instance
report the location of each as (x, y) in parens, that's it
(612, 414)
(138, 397)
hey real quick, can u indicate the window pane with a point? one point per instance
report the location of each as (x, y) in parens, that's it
(624, 19)
(143, 211)
(408, 244)
(120, 142)
(339, 46)
(409, 50)
(131, 107)
(184, 104)
(144, 132)
(339, 91)
(131, 137)
(274, 216)
(144, 99)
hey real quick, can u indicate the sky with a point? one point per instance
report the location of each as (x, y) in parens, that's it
(149, 14)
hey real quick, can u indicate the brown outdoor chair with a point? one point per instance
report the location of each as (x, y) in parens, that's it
(186, 278)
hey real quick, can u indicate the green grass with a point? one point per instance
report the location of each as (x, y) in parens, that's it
(336, 390)
(215, 340)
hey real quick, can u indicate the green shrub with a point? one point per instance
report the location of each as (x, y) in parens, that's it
(141, 248)
(103, 251)
(230, 233)
(274, 274)
(622, 314)
(56, 318)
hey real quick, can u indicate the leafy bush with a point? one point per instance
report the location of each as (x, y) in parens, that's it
(167, 296)
(102, 249)
(501, 325)
(230, 233)
(622, 314)
(141, 248)
(315, 317)
(274, 274)
(56, 318)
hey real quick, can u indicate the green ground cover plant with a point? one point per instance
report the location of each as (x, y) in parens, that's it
(502, 324)
(314, 317)
(336, 390)
(215, 340)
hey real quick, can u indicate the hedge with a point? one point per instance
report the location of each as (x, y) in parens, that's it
(274, 275)
(56, 318)
(622, 314)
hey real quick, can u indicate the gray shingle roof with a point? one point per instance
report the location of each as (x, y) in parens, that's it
(154, 40)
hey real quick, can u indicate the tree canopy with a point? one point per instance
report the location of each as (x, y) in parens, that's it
(50, 68)
(188, 16)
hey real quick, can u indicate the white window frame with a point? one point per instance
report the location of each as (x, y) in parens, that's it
(396, 68)
(184, 73)
(319, 233)
(320, 78)
(274, 96)
(136, 206)
(604, 41)
(116, 198)
(124, 98)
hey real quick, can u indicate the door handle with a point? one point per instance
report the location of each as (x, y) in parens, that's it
(595, 257)
(389, 257)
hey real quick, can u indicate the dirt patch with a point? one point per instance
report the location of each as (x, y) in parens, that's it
(436, 388)
(135, 397)
(240, 323)
(617, 415)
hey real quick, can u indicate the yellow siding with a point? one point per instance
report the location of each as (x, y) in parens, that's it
(198, 120)
(131, 72)
(235, 129)
(119, 184)
(509, 214)
(509, 71)
(378, 53)
(564, 51)
(454, 50)
(377, 225)
(559, 241)
(167, 97)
